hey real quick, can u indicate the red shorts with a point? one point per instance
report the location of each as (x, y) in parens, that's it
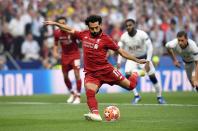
(70, 63)
(108, 76)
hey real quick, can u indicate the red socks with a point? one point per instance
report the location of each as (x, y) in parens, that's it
(78, 84)
(133, 80)
(91, 101)
(68, 84)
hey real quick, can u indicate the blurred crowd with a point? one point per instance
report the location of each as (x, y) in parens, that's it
(24, 37)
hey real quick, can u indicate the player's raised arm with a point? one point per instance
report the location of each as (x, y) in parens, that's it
(126, 55)
(63, 27)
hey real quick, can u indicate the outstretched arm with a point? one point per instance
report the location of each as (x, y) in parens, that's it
(173, 56)
(126, 55)
(63, 27)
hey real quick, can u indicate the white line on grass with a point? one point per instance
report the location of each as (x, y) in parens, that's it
(175, 105)
(124, 104)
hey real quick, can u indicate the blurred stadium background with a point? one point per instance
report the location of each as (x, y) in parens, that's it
(33, 77)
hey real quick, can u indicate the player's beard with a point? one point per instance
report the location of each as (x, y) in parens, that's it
(184, 46)
(95, 34)
(132, 32)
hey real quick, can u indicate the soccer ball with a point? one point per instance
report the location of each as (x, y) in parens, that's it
(111, 113)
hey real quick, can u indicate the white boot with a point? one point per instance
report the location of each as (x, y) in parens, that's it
(93, 117)
(76, 100)
(71, 98)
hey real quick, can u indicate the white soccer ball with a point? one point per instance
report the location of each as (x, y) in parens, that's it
(111, 113)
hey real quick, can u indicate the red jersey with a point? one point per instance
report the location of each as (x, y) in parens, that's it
(68, 43)
(95, 50)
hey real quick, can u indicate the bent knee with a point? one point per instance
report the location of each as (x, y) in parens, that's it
(91, 86)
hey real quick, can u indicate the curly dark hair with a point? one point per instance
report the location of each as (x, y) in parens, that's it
(93, 18)
(61, 18)
(131, 20)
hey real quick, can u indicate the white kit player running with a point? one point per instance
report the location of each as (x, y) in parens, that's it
(138, 43)
(188, 50)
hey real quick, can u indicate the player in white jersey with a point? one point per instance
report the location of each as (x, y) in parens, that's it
(188, 50)
(139, 44)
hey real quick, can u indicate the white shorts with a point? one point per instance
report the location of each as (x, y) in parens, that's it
(132, 66)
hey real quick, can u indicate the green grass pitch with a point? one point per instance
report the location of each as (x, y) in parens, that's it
(51, 113)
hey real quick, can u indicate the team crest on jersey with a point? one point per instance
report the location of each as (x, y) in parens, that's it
(96, 46)
(97, 41)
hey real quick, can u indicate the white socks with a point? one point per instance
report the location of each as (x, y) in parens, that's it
(157, 87)
(135, 92)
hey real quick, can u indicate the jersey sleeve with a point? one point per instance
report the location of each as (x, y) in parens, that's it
(194, 50)
(78, 34)
(110, 44)
(121, 42)
(172, 44)
(149, 45)
(144, 35)
(121, 45)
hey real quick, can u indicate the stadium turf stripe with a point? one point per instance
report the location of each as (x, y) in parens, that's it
(123, 104)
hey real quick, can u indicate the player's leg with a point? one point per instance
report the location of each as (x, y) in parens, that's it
(195, 75)
(92, 103)
(130, 83)
(190, 73)
(91, 88)
(69, 87)
(65, 70)
(192, 81)
(130, 67)
(156, 84)
(158, 89)
(76, 67)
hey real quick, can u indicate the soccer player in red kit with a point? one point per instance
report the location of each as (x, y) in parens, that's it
(70, 59)
(96, 67)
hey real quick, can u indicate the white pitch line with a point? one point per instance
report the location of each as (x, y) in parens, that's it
(124, 104)
(175, 105)
(26, 103)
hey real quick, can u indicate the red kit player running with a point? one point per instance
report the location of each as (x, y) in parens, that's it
(96, 67)
(70, 59)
